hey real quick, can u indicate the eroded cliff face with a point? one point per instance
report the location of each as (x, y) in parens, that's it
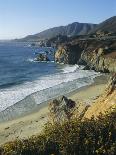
(105, 102)
(99, 62)
(94, 54)
(68, 54)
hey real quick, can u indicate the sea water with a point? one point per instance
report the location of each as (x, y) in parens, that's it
(25, 83)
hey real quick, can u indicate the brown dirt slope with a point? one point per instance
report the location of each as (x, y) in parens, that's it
(105, 102)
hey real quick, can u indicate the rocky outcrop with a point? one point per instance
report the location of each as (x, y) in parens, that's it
(42, 57)
(61, 109)
(99, 55)
(68, 54)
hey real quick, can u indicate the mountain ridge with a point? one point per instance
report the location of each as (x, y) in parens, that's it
(75, 29)
(72, 29)
(107, 25)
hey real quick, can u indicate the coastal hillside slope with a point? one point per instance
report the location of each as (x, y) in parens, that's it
(108, 25)
(105, 102)
(68, 30)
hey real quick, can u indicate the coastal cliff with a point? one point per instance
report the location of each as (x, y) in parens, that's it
(99, 55)
(68, 54)
(96, 50)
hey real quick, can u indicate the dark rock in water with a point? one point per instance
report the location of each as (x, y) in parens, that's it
(33, 44)
(42, 57)
(61, 109)
(81, 62)
(86, 67)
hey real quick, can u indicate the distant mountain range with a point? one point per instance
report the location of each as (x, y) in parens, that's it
(74, 29)
(69, 30)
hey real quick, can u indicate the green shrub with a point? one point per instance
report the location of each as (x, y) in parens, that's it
(74, 137)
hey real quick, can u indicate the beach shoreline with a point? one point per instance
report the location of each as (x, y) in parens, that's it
(71, 82)
(32, 124)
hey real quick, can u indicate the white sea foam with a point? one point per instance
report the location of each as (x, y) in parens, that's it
(34, 60)
(30, 60)
(70, 68)
(14, 94)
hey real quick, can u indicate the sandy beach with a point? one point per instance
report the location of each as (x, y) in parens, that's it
(33, 123)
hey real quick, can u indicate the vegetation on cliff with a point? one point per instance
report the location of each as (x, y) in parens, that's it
(90, 136)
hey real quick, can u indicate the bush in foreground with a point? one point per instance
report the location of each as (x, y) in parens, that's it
(73, 137)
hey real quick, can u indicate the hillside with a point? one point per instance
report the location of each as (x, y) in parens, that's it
(106, 101)
(108, 25)
(68, 30)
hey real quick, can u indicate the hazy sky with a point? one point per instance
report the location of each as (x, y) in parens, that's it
(19, 18)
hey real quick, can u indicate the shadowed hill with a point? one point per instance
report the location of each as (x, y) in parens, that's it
(108, 25)
(69, 30)
(75, 29)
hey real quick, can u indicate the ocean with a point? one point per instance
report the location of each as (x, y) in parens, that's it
(21, 76)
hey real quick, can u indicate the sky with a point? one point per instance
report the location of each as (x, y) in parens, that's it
(19, 18)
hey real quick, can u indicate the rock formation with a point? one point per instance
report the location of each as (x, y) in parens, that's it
(42, 57)
(68, 54)
(64, 109)
(99, 55)
(61, 109)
